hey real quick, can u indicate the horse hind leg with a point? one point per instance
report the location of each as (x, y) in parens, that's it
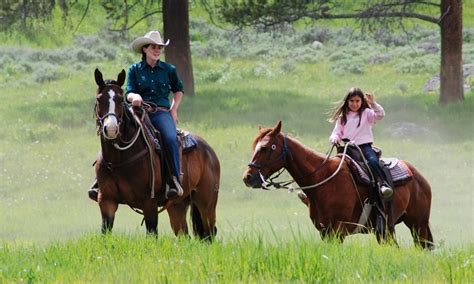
(203, 224)
(423, 237)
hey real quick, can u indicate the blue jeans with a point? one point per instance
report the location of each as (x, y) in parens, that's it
(373, 161)
(164, 123)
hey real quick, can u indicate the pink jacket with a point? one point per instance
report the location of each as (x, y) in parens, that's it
(362, 134)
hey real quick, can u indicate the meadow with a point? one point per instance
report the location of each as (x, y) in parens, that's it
(49, 229)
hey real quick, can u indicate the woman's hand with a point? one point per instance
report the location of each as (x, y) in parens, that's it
(174, 115)
(135, 99)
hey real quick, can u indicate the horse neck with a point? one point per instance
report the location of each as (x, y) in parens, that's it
(302, 161)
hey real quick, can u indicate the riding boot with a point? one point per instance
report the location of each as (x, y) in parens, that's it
(174, 190)
(93, 192)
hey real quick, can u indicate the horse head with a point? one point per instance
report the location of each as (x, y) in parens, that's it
(109, 105)
(269, 156)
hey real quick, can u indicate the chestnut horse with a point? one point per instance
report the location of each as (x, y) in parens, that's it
(129, 169)
(334, 199)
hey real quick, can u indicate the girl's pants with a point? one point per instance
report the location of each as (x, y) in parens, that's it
(373, 161)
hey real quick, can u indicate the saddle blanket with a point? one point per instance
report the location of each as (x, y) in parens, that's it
(398, 170)
(187, 140)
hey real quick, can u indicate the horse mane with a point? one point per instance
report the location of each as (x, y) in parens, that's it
(305, 147)
(265, 131)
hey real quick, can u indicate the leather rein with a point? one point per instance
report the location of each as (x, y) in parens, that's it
(270, 181)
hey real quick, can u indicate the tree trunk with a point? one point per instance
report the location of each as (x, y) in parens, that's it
(176, 29)
(451, 73)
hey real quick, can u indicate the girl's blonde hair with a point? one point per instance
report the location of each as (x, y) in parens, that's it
(342, 108)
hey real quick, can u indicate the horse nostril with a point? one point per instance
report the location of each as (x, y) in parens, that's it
(247, 177)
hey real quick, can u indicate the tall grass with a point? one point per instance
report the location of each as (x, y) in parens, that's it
(251, 258)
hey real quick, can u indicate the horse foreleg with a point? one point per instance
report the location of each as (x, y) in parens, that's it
(177, 214)
(330, 233)
(107, 210)
(150, 214)
(385, 226)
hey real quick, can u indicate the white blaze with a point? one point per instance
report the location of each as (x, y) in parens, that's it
(110, 122)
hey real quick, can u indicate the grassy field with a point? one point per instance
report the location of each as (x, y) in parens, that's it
(135, 259)
(49, 229)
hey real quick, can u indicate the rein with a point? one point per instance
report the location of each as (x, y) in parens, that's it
(266, 183)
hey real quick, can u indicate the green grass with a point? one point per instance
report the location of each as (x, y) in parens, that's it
(251, 258)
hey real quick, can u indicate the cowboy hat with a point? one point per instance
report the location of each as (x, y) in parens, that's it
(152, 37)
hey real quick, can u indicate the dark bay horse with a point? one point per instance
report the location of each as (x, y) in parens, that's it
(336, 201)
(129, 169)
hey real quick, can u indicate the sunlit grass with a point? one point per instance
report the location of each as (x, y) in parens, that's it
(244, 258)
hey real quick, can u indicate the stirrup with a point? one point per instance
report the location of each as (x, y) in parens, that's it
(178, 186)
(386, 191)
(171, 192)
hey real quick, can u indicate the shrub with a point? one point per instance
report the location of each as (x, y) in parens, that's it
(46, 72)
(421, 64)
(316, 34)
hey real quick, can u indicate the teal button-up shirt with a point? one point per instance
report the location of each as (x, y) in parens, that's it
(153, 84)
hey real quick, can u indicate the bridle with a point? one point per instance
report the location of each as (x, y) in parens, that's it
(285, 152)
(281, 156)
(100, 119)
(100, 124)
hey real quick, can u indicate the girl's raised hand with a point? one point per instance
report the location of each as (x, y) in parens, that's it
(370, 98)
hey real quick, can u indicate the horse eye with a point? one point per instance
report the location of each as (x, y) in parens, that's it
(263, 149)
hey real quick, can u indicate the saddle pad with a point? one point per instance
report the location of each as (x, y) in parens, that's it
(399, 171)
(187, 140)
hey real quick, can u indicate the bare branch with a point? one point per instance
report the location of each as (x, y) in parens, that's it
(137, 21)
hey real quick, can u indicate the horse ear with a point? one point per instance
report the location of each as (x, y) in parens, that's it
(277, 127)
(98, 78)
(121, 78)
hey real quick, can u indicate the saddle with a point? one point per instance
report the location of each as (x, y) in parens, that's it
(397, 171)
(186, 140)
